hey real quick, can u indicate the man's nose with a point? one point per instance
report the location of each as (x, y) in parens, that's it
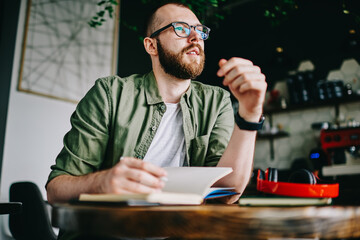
(194, 36)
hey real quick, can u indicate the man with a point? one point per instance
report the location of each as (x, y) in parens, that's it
(126, 129)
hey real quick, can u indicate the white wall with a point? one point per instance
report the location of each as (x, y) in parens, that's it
(34, 131)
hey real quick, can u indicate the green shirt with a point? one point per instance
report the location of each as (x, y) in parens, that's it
(120, 116)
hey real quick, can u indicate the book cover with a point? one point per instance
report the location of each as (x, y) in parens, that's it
(185, 185)
(281, 201)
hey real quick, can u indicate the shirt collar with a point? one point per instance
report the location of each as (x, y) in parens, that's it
(152, 93)
(187, 94)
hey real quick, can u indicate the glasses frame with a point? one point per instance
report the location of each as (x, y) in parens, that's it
(173, 25)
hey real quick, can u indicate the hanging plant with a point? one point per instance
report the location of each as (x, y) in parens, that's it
(108, 9)
(279, 11)
(351, 11)
(205, 9)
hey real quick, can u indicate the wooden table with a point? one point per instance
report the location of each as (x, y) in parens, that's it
(210, 221)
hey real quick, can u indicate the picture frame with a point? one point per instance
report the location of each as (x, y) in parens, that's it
(62, 56)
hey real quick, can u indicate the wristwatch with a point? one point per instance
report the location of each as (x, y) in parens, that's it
(250, 126)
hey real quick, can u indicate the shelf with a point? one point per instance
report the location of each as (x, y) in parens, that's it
(269, 111)
(341, 169)
(328, 103)
(268, 135)
(271, 136)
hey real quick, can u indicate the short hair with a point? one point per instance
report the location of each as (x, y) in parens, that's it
(152, 19)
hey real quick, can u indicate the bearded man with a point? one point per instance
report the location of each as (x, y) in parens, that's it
(125, 130)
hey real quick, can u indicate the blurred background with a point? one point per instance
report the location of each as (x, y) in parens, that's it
(308, 50)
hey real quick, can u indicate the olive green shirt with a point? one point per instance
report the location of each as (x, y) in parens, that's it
(120, 116)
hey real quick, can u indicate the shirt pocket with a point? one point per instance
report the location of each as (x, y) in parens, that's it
(198, 150)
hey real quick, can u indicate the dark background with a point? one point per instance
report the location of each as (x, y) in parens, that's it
(315, 30)
(9, 12)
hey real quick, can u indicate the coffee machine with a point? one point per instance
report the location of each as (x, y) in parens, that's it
(341, 147)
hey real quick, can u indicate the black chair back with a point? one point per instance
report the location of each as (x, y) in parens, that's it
(33, 222)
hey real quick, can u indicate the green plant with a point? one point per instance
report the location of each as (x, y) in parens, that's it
(204, 9)
(351, 11)
(278, 11)
(108, 7)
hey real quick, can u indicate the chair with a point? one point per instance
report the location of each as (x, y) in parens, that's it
(33, 222)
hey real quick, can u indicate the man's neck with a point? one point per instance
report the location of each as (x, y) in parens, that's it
(171, 88)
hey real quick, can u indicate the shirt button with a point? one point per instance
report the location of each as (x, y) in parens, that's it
(153, 128)
(163, 108)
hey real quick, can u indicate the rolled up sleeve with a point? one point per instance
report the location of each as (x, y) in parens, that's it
(86, 142)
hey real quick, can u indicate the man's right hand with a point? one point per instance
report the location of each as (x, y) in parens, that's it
(132, 175)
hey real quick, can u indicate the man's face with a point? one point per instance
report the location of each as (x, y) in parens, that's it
(183, 58)
(187, 63)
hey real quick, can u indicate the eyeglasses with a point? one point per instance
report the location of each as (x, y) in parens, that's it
(183, 30)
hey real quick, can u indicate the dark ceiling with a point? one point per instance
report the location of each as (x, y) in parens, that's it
(315, 30)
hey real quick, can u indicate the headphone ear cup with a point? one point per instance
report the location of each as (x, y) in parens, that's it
(273, 174)
(261, 174)
(302, 176)
(313, 177)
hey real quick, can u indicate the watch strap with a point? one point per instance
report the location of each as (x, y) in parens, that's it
(250, 126)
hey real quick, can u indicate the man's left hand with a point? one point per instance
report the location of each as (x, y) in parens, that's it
(247, 84)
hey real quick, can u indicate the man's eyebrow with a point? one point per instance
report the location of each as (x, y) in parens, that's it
(195, 24)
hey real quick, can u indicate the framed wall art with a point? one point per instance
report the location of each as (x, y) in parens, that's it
(62, 55)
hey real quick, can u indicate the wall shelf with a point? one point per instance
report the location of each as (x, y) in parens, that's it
(271, 136)
(267, 135)
(310, 105)
(269, 111)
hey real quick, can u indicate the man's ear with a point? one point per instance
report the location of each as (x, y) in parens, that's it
(150, 46)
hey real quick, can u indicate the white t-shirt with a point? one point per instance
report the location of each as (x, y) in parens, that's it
(168, 146)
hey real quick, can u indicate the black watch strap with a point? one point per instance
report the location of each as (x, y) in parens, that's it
(251, 126)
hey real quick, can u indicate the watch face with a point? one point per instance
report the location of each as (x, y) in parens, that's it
(262, 119)
(62, 55)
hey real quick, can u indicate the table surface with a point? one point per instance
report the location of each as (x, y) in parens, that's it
(209, 221)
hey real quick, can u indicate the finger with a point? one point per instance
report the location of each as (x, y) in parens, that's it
(135, 187)
(239, 71)
(146, 166)
(227, 66)
(235, 84)
(248, 79)
(121, 191)
(144, 177)
(222, 62)
(115, 182)
(259, 86)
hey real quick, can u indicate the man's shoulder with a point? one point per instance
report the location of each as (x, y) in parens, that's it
(201, 88)
(116, 81)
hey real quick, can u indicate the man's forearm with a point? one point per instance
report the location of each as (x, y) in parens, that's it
(247, 84)
(65, 187)
(239, 155)
(130, 175)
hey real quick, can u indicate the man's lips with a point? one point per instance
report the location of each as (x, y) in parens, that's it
(193, 51)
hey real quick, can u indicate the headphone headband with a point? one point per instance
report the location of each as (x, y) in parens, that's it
(297, 189)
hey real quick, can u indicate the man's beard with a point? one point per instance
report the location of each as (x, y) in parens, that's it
(173, 64)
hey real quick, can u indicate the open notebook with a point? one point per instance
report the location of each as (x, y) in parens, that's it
(185, 185)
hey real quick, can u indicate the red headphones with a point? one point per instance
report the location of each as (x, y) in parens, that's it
(302, 183)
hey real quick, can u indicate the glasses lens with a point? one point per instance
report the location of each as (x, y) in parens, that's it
(182, 29)
(203, 31)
